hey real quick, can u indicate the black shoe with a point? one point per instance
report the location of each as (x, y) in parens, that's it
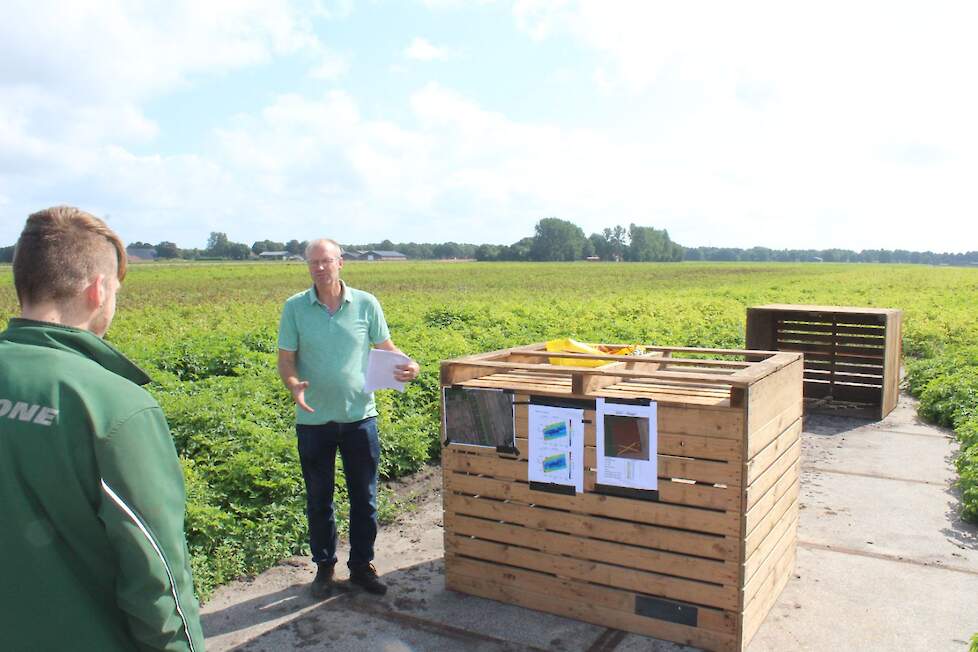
(366, 577)
(322, 586)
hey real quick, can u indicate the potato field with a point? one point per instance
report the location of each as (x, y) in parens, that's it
(206, 333)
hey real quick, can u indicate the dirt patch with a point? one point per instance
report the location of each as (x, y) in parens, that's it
(245, 609)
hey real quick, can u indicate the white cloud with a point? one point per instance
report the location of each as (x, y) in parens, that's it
(853, 123)
(74, 79)
(421, 49)
(331, 66)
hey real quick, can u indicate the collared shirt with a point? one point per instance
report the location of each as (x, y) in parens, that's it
(332, 352)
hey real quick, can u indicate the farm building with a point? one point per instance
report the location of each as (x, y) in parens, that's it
(377, 254)
(274, 255)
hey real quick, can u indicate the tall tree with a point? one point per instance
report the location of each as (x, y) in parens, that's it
(167, 249)
(649, 244)
(295, 248)
(217, 244)
(556, 239)
(262, 246)
(600, 246)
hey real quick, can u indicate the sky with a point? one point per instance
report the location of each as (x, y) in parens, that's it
(778, 124)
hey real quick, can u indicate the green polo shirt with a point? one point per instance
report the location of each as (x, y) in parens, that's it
(332, 352)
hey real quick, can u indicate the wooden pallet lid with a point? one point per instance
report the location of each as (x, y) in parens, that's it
(696, 372)
(790, 307)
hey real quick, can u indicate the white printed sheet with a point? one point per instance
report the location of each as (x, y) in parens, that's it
(556, 443)
(627, 445)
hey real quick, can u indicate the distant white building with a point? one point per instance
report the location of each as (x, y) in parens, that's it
(273, 255)
(377, 254)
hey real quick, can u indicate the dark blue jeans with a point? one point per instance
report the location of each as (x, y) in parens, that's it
(359, 449)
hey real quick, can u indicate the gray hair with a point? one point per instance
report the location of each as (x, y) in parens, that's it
(319, 241)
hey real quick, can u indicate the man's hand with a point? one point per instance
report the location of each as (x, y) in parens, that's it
(290, 378)
(405, 372)
(402, 372)
(299, 395)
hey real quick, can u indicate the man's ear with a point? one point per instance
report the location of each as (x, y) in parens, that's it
(95, 292)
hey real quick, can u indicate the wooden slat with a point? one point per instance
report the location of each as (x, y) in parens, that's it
(669, 467)
(599, 527)
(874, 340)
(839, 365)
(724, 423)
(817, 314)
(682, 430)
(876, 361)
(868, 330)
(772, 568)
(585, 549)
(686, 493)
(766, 433)
(757, 513)
(787, 526)
(725, 364)
(708, 422)
(665, 397)
(497, 367)
(707, 448)
(771, 520)
(841, 377)
(807, 308)
(860, 351)
(711, 595)
(545, 389)
(757, 611)
(760, 462)
(639, 511)
(768, 397)
(716, 620)
(891, 380)
(593, 613)
(489, 463)
(757, 489)
(693, 391)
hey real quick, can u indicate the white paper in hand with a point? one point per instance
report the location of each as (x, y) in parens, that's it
(381, 368)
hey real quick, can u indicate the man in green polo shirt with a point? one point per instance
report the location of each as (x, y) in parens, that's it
(324, 341)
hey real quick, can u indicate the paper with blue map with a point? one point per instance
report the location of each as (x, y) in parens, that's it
(556, 445)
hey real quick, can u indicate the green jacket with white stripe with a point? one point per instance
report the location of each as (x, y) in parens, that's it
(92, 496)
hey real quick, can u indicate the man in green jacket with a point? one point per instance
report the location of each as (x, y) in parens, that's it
(90, 485)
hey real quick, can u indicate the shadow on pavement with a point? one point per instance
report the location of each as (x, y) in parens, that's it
(272, 606)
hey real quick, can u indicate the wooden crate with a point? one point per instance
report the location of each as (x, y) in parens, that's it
(704, 563)
(852, 355)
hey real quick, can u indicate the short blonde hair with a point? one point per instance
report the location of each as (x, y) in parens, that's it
(60, 249)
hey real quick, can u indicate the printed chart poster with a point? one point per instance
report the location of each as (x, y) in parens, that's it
(627, 445)
(556, 454)
(479, 417)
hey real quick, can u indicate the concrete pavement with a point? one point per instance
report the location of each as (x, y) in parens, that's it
(883, 563)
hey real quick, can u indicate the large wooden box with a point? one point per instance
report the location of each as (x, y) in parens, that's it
(700, 565)
(852, 355)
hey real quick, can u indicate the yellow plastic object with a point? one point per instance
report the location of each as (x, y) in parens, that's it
(568, 345)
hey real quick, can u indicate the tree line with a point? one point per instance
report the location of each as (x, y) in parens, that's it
(554, 239)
